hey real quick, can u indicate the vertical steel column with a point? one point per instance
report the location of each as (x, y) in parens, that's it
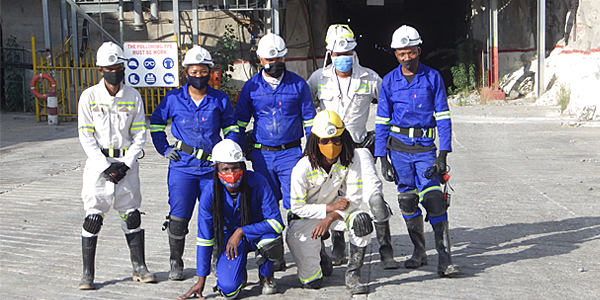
(541, 46)
(494, 51)
(154, 11)
(275, 16)
(138, 18)
(176, 28)
(46, 16)
(75, 38)
(195, 40)
(64, 21)
(121, 20)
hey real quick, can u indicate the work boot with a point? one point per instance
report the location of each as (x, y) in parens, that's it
(313, 285)
(338, 253)
(357, 256)
(176, 246)
(279, 265)
(268, 285)
(442, 245)
(88, 251)
(415, 231)
(138, 261)
(326, 264)
(386, 252)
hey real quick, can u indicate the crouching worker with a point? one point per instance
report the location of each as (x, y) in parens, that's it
(237, 214)
(326, 189)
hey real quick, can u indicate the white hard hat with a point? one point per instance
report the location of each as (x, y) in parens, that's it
(340, 38)
(405, 36)
(227, 151)
(271, 46)
(109, 54)
(197, 55)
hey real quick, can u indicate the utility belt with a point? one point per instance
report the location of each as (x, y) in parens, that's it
(292, 216)
(414, 132)
(112, 152)
(289, 145)
(195, 152)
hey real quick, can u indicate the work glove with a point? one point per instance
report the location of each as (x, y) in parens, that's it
(440, 163)
(172, 154)
(386, 169)
(115, 172)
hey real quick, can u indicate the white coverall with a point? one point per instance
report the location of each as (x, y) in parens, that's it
(352, 104)
(115, 122)
(311, 191)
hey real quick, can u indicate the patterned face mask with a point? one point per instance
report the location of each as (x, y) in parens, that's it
(231, 180)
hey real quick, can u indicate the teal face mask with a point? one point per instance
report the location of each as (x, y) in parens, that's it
(343, 63)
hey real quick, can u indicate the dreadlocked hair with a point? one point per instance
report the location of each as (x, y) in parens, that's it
(314, 153)
(217, 206)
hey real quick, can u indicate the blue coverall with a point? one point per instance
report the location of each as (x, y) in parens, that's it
(266, 225)
(421, 104)
(280, 115)
(199, 127)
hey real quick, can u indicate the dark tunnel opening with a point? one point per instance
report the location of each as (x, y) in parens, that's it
(441, 23)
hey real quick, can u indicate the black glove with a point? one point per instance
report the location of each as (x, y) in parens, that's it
(386, 169)
(116, 172)
(173, 155)
(440, 163)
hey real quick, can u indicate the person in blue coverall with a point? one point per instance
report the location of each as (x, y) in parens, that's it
(237, 213)
(412, 103)
(283, 110)
(199, 113)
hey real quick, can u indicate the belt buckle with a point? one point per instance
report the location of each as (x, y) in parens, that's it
(423, 132)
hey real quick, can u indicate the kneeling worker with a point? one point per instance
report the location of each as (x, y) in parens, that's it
(238, 214)
(327, 187)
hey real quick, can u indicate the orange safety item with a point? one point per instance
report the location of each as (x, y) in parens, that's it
(34, 81)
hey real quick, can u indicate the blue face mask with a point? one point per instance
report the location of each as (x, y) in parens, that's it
(343, 63)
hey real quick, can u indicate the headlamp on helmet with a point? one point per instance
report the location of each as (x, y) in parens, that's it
(405, 36)
(340, 38)
(327, 124)
(271, 46)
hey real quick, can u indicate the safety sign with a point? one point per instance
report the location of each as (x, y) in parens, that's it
(151, 64)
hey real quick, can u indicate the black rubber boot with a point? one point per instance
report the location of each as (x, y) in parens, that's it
(279, 265)
(326, 264)
(176, 259)
(415, 231)
(138, 261)
(338, 253)
(442, 245)
(88, 251)
(314, 285)
(386, 251)
(357, 256)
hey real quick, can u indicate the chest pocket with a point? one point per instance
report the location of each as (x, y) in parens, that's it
(101, 116)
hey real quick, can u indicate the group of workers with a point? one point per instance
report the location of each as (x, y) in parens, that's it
(322, 189)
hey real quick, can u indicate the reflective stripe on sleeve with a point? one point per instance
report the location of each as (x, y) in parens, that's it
(275, 224)
(205, 243)
(442, 115)
(157, 127)
(382, 121)
(308, 123)
(87, 127)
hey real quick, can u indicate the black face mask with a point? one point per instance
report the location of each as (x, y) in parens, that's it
(198, 82)
(114, 78)
(275, 69)
(410, 64)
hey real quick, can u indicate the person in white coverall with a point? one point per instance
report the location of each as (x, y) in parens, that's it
(346, 87)
(326, 188)
(112, 132)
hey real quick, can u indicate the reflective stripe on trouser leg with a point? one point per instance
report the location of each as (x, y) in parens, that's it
(230, 273)
(305, 250)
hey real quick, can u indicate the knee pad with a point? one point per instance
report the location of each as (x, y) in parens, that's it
(177, 227)
(379, 208)
(434, 203)
(133, 219)
(272, 250)
(409, 203)
(362, 224)
(93, 223)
